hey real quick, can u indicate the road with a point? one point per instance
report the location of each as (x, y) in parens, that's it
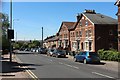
(42, 66)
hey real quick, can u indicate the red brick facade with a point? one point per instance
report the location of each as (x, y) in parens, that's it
(88, 33)
(64, 34)
(80, 37)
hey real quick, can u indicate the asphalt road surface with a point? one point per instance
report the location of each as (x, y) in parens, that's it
(42, 66)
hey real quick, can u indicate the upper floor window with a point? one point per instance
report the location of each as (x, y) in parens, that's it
(77, 35)
(118, 32)
(119, 40)
(65, 35)
(80, 23)
(86, 23)
(80, 32)
(87, 33)
(60, 36)
(110, 32)
(73, 34)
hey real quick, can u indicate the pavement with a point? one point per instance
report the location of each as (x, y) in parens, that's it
(11, 70)
(15, 70)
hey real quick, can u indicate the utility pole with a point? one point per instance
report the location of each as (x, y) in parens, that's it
(10, 28)
(42, 36)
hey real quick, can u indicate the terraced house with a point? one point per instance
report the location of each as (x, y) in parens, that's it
(64, 34)
(93, 31)
(51, 41)
(118, 14)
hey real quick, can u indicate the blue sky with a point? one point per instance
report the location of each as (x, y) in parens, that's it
(49, 15)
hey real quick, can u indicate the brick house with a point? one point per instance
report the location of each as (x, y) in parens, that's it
(93, 31)
(64, 34)
(51, 41)
(118, 14)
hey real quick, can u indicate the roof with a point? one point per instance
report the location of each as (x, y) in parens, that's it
(117, 2)
(69, 25)
(100, 18)
(96, 18)
(51, 38)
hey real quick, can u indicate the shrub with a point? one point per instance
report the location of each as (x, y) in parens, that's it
(111, 55)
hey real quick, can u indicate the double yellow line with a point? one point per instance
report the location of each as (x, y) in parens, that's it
(26, 69)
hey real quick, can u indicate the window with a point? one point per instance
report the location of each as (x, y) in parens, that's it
(86, 45)
(80, 32)
(90, 46)
(119, 40)
(73, 34)
(86, 23)
(110, 32)
(118, 32)
(77, 34)
(87, 33)
(74, 45)
(80, 23)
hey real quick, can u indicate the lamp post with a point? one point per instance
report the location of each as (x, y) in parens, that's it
(10, 28)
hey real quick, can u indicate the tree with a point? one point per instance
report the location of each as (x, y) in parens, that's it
(4, 24)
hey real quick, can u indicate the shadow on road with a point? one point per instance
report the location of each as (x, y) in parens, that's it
(25, 53)
(11, 67)
(101, 63)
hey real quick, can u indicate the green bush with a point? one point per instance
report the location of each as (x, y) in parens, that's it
(111, 55)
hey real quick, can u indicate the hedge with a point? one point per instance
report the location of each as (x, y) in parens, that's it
(111, 55)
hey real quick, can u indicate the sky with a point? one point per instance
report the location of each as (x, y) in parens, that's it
(30, 17)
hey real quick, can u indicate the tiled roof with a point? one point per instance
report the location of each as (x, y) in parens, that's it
(69, 25)
(100, 18)
(51, 38)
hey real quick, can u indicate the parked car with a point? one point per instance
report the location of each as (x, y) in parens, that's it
(59, 53)
(87, 57)
(50, 52)
(43, 51)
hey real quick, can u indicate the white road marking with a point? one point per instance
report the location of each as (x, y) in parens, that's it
(68, 65)
(75, 67)
(72, 66)
(103, 75)
(60, 63)
(27, 70)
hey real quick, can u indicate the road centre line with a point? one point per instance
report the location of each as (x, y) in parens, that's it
(72, 66)
(103, 75)
(60, 63)
(75, 67)
(27, 70)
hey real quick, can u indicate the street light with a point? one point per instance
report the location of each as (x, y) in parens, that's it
(10, 28)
